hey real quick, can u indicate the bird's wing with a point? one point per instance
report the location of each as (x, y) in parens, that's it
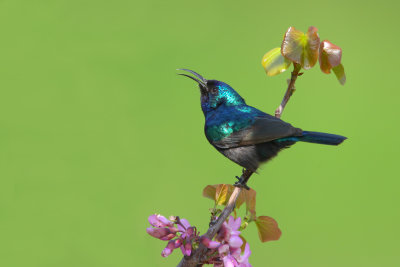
(264, 129)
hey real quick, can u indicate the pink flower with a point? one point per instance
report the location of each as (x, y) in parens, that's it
(228, 246)
(225, 251)
(188, 233)
(164, 229)
(229, 229)
(233, 257)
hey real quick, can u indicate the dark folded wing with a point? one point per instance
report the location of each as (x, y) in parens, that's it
(264, 129)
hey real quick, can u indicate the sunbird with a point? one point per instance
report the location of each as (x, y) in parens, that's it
(244, 134)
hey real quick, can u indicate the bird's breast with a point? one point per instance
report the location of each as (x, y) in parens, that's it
(223, 123)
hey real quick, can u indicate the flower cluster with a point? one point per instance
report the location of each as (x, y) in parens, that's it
(225, 250)
(227, 247)
(166, 230)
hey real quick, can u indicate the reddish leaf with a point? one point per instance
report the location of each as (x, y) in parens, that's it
(268, 229)
(330, 56)
(274, 63)
(250, 198)
(339, 72)
(301, 48)
(209, 191)
(241, 199)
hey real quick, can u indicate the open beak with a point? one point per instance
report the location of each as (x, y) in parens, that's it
(199, 79)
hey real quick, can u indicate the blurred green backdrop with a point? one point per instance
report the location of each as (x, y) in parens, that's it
(92, 140)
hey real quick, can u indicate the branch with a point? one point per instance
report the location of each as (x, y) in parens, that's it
(199, 255)
(196, 258)
(290, 90)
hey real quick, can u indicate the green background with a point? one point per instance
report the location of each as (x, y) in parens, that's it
(97, 131)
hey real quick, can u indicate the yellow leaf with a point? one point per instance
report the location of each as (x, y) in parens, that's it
(274, 63)
(221, 194)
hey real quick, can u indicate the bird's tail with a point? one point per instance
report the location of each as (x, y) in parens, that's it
(321, 138)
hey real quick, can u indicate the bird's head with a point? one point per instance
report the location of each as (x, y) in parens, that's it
(214, 93)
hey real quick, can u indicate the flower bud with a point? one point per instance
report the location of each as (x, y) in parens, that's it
(160, 233)
(168, 249)
(178, 242)
(188, 248)
(158, 220)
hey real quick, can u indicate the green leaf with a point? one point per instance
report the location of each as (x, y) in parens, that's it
(301, 48)
(274, 63)
(339, 72)
(268, 229)
(330, 56)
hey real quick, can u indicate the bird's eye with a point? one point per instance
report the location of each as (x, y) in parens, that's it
(214, 90)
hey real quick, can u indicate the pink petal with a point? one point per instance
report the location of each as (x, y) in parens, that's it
(158, 232)
(168, 249)
(180, 228)
(235, 242)
(185, 223)
(190, 231)
(235, 233)
(166, 252)
(183, 250)
(164, 220)
(208, 243)
(158, 220)
(213, 244)
(188, 249)
(223, 249)
(246, 253)
(224, 233)
(235, 225)
(229, 261)
(178, 242)
(153, 221)
(235, 252)
(168, 237)
(173, 229)
(231, 220)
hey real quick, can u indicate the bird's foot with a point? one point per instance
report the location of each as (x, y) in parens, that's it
(242, 182)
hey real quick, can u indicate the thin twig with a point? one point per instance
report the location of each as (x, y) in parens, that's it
(198, 256)
(290, 90)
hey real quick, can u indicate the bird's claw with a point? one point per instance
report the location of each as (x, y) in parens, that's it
(241, 183)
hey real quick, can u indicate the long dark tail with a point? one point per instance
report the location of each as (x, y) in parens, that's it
(321, 138)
